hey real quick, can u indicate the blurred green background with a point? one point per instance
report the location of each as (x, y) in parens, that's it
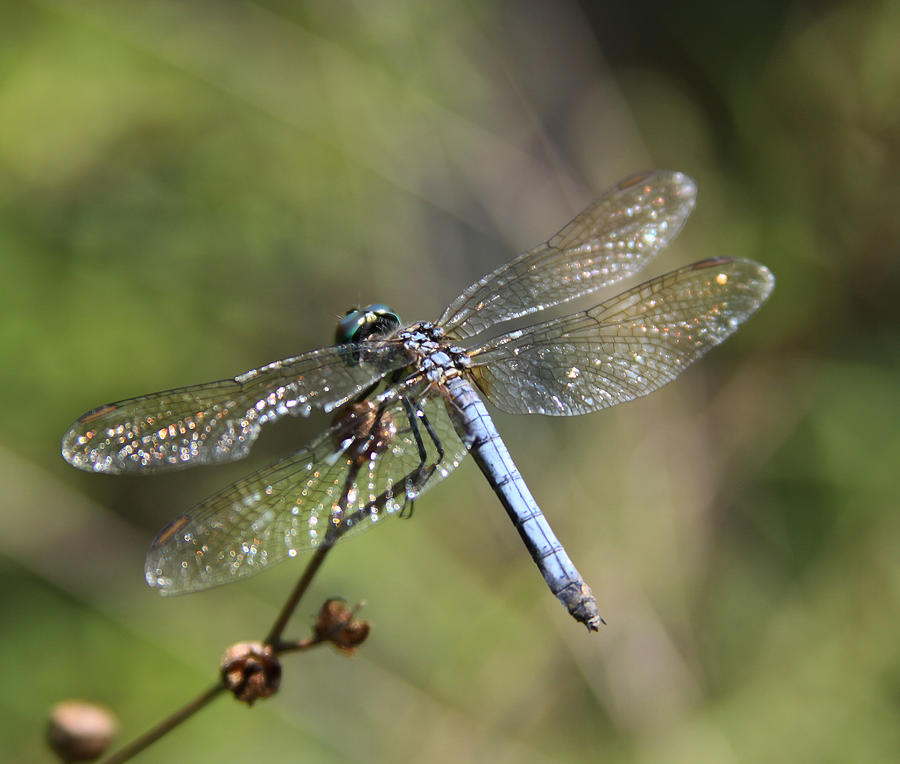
(188, 190)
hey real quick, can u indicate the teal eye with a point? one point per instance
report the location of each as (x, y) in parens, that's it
(348, 326)
(360, 324)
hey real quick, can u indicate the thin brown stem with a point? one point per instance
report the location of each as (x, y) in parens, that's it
(152, 735)
(300, 644)
(287, 610)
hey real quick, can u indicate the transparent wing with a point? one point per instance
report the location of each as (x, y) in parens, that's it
(361, 470)
(623, 348)
(613, 238)
(218, 421)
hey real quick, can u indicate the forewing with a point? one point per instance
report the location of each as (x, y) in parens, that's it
(218, 421)
(362, 470)
(623, 348)
(613, 238)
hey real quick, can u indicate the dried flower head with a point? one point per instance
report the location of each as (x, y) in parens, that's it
(336, 624)
(80, 731)
(251, 670)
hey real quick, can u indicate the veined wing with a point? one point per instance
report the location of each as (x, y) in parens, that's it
(218, 421)
(365, 467)
(613, 238)
(623, 348)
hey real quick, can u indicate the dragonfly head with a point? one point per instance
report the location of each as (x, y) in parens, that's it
(372, 322)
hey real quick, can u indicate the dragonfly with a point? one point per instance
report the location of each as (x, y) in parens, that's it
(406, 403)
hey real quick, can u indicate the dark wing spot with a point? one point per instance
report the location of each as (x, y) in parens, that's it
(170, 530)
(97, 413)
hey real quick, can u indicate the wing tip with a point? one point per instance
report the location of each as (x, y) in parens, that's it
(757, 276)
(683, 186)
(79, 455)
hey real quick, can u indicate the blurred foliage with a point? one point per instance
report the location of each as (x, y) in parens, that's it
(188, 190)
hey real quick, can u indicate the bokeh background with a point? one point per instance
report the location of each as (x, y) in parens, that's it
(188, 190)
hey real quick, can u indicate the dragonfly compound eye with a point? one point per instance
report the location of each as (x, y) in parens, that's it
(374, 321)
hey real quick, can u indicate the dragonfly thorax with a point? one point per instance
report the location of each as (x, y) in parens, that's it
(435, 357)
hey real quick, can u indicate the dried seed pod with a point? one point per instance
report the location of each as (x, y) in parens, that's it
(335, 624)
(251, 670)
(80, 731)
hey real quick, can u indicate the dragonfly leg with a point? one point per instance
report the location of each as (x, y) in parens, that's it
(413, 417)
(423, 478)
(434, 437)
(414, 479)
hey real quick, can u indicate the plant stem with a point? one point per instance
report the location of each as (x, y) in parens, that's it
(155, 733)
